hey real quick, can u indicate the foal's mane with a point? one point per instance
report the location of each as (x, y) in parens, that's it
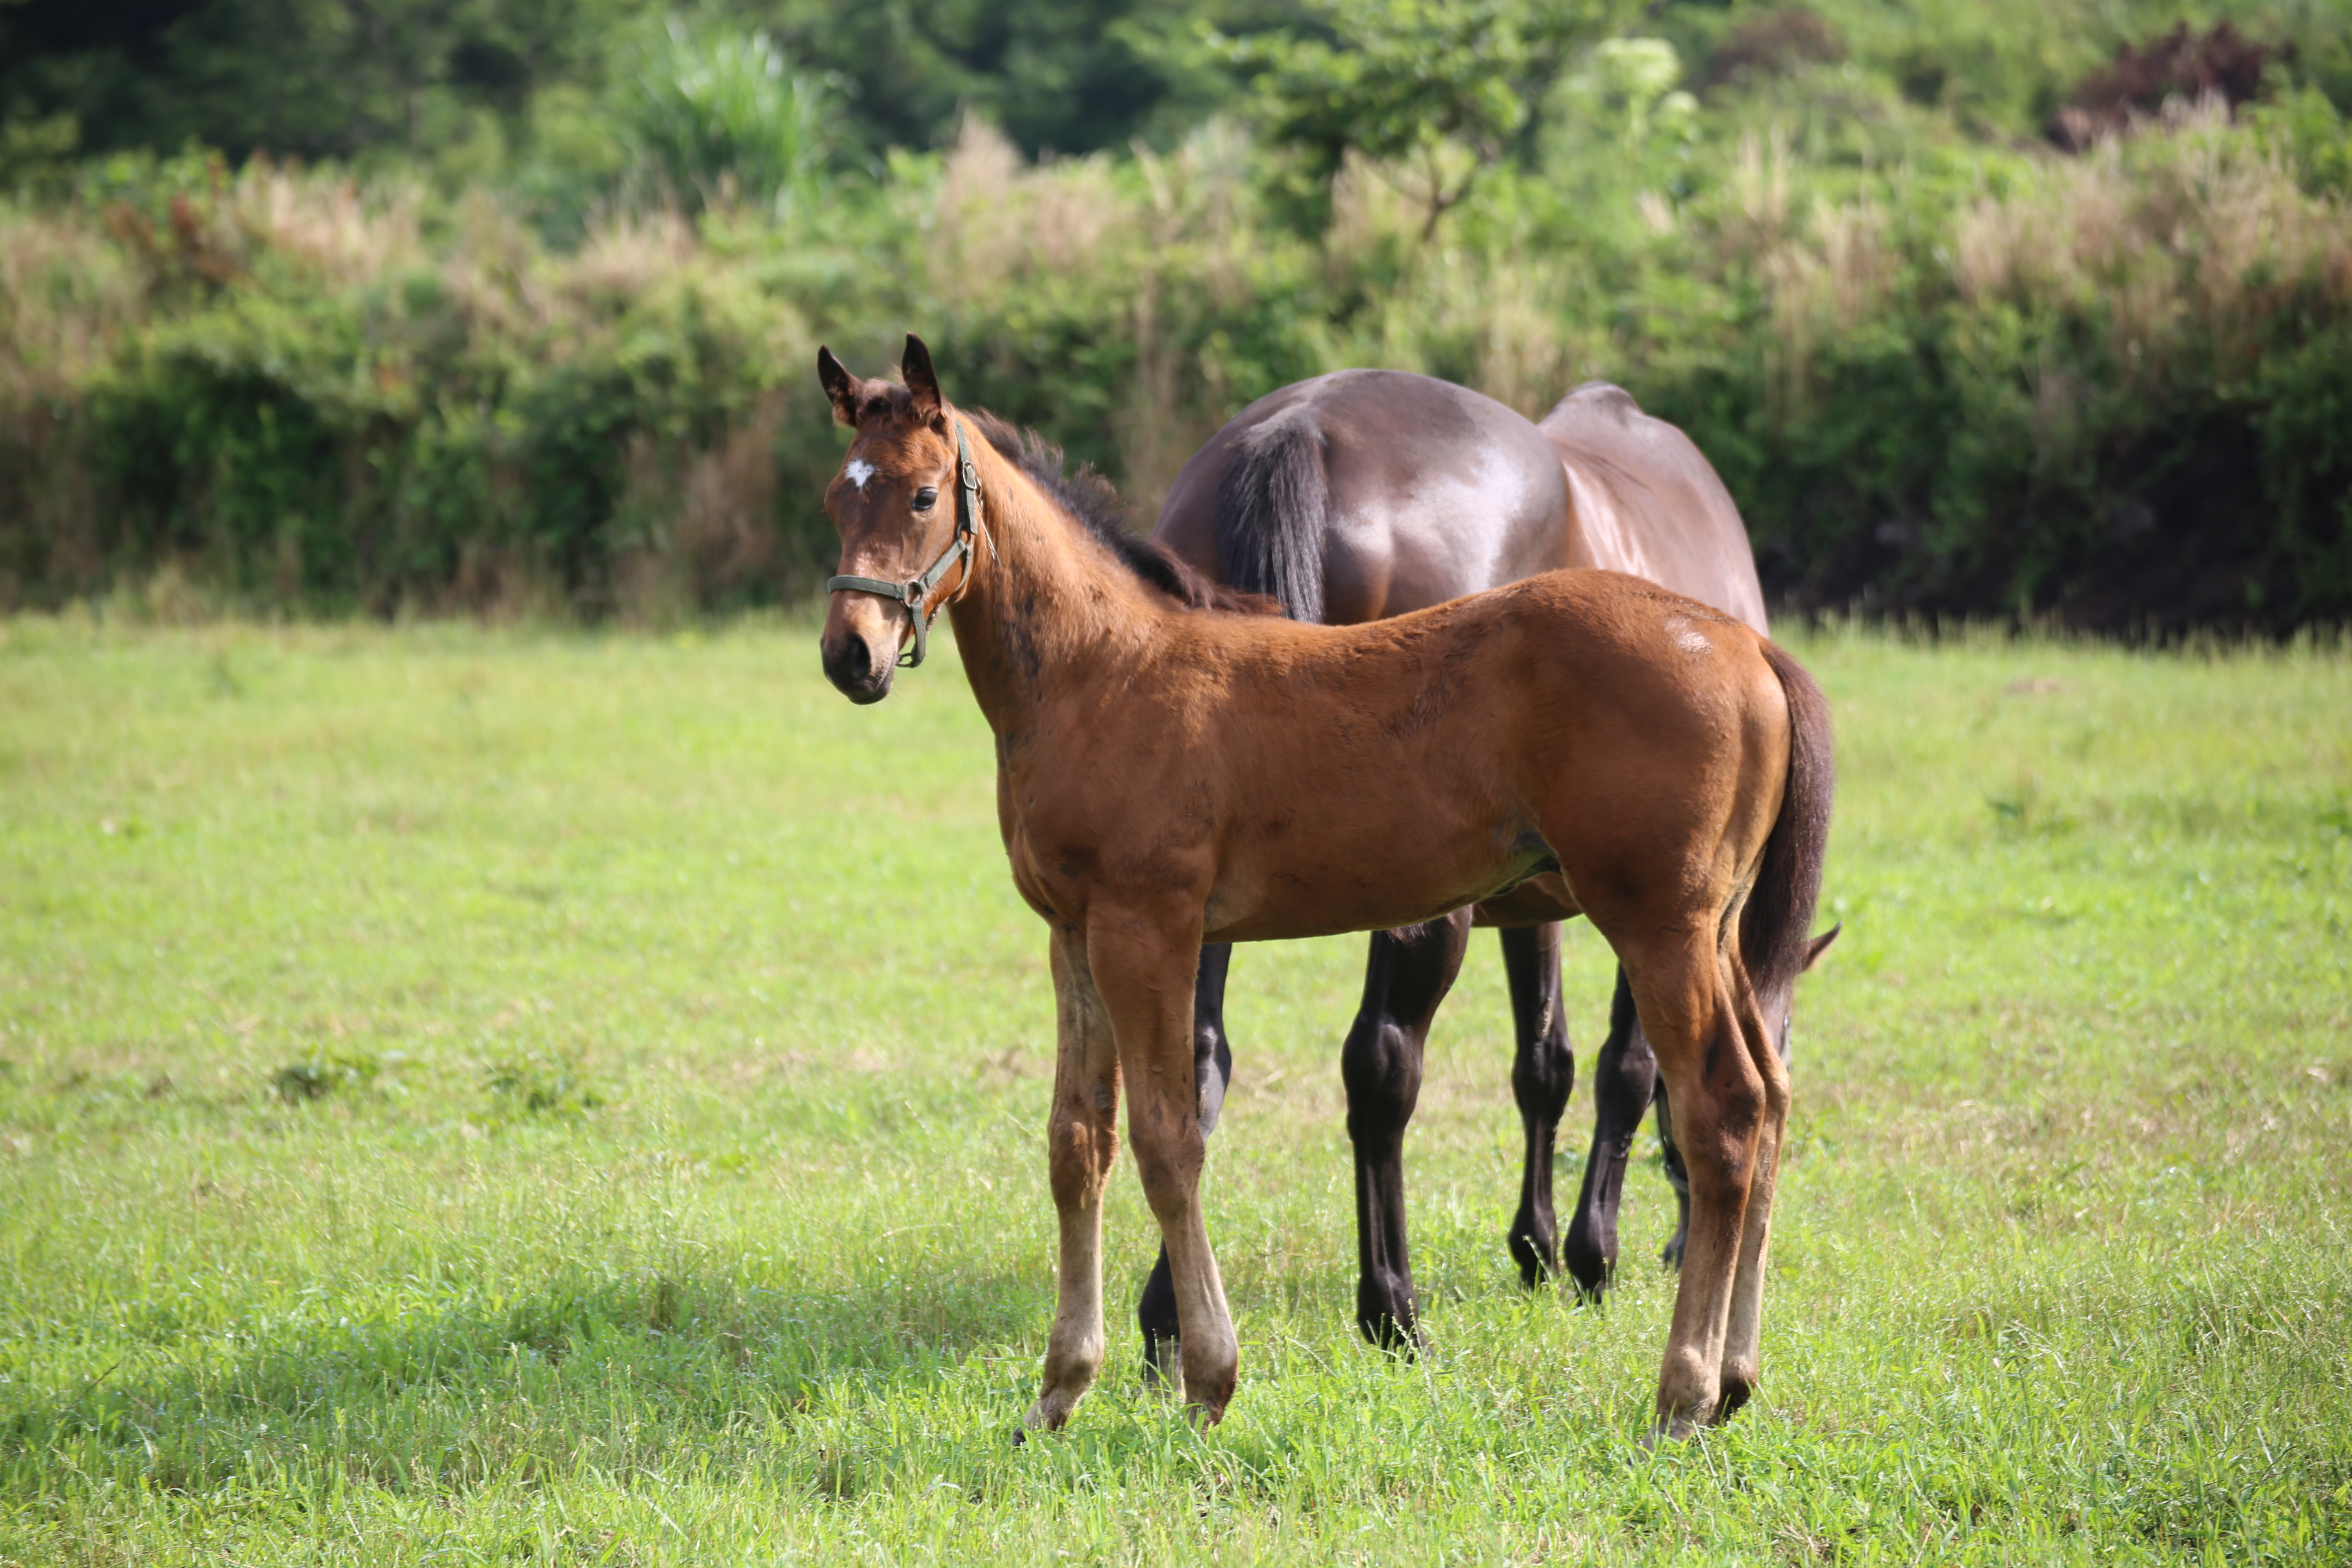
(1097, 506)
(1086, 495)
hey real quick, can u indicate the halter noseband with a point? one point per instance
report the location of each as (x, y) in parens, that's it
(915, 592)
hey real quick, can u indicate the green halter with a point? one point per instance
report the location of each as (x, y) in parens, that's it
(915, 592)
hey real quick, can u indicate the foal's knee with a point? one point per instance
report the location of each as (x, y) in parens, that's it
(1082, 1142)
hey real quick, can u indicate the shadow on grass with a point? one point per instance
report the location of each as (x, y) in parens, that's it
(454, 1391)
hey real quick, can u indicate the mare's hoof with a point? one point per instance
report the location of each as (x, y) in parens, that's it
(1163, 1362)
(1403, 1340)
(1589, 1271)
(1538, 1258)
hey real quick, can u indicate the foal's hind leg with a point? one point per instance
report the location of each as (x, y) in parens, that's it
(1543, 1072)
(1213, 1070)
(1722, 1104)
(1082, 1136)
(1407, 974)
(1744, 1334)
(1625, 1081)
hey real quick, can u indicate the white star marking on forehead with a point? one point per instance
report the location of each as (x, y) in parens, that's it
(859, 471)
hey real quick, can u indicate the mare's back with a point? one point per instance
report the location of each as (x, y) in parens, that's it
(1407, 489)
(1645, 500)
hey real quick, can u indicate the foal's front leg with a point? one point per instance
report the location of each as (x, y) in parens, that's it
(1213, 1070)
(1144, 964)
(1082, 1137)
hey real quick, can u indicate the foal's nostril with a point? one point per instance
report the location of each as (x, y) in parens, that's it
(850, 667)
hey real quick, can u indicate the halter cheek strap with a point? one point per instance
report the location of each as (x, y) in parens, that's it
(915, 592)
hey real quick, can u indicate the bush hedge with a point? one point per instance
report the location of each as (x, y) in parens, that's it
(2114, 389)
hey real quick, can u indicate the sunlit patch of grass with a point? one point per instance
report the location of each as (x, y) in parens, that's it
(2060, 1270)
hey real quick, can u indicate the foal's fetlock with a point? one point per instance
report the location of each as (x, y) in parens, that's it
(1048, 1414)
(1204, 1412)
(1210, 1376)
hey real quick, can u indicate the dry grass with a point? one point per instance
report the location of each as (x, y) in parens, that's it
(2193, 240)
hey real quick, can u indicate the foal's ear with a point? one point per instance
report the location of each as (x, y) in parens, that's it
(839, 385)
(923, 382)
(1820, 946)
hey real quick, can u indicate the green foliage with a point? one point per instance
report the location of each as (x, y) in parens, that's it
(36, 154)
(2305, 129)
(1444, 87)
(1943, 372)
(713, 112)
(306, 78)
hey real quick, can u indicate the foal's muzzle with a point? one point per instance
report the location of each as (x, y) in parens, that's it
(854, 670)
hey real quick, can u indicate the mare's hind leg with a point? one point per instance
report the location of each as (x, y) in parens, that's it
(1082, 1135)
(1678, 1178)
(1543, 1072)
(1407, 974)
(1625, 1081)
(1722, 1104)
(1213, 1070)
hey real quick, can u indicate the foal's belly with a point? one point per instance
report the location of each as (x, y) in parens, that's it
(1379, 881)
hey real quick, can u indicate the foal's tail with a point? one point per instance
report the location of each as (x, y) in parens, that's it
(1271, 510)
(1776, 926)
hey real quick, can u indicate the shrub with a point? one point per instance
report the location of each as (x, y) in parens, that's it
(2108, 388)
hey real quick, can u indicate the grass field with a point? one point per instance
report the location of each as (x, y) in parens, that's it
(478, 1097)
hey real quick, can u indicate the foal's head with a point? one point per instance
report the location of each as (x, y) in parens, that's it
(896, 505)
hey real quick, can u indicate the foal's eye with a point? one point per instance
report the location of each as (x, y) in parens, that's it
(925, 497)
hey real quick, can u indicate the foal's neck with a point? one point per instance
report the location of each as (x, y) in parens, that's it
(1047, 602)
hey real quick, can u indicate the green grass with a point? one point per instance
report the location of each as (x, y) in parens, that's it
(674, 1190)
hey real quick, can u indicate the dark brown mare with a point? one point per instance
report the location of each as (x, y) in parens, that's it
(1367, 493)
(1578, 743)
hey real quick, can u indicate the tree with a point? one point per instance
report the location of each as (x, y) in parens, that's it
(1438, 90)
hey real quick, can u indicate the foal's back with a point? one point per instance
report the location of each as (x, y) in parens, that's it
(1349, 778)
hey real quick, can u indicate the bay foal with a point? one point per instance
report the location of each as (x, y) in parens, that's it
(1579, 742)
(1366, 493)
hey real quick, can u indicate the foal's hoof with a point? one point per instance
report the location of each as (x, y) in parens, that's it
(1680, 1429)
(1670, 1258)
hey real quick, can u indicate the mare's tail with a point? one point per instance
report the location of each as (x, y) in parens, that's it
(1272, 507)
(1776, 927)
